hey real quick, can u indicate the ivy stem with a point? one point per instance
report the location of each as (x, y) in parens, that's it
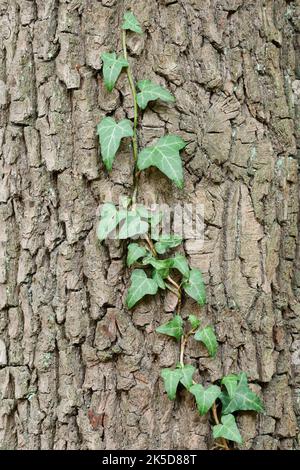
(135, 119)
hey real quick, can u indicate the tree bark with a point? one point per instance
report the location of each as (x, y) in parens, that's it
(77, 370)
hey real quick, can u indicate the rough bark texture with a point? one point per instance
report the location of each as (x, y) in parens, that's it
(77, 370)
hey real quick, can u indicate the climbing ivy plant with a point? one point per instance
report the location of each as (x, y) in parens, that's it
(154, 268)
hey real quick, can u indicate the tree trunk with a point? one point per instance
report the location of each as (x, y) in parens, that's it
(77, 370)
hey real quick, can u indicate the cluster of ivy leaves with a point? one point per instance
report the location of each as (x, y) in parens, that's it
(233, 392)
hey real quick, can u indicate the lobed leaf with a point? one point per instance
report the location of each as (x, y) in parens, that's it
(187, 376)
(242, 399)
(181, 264)
(171, 380)
(172, 328)
(228, 429)
(150, 91)
(207, 336)
(112, 67)
(109, 219)
(166, 242)
(130, 22)
(230, 382)
(205, 397)
(132, 225)
(110, 135)
(165, 156)
(194, 286)
(158, 279)
(140, 286)
(135, 252)
(194, 321)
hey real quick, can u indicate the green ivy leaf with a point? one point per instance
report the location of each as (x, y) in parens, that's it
(208, 337)
(109, 219)
(165, 156)
(194, 286)
(187, 375)
(112, 67)
(180, 263)
(166, 242)
(243, 398)
(171, 380)
(172, 327)
(205, 397)
(141, 285)
(230, 382)
(161, 265)
(228, 429)
(132, 225)
(131, 23)
(158, 279)
(194, 321)
(135, 252)
(110, 135)
(149, 91)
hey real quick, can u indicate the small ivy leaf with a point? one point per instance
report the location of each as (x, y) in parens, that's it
(205, 397)
(131, 23)
(171, 380)
(112, 67)
(132, 225)
(180, 263)
(228, 429)
(242, 399)
(158, 279)
(166, 242)
(230, 382)
(110, 135)
(208, 337)
(141, 285)
(149, 91)
(187, 376)
(172, 327)
(194, 286)
(109, 219)
(165, 156)
(135, 252)
(161, 265)
(195, 323)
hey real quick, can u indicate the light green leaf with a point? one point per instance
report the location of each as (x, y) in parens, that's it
(141, 285)
(171, 380)
(158, 279)
(194, 321)
(205, 397)
(172, 327)
(208, 337)
(135, 252)
(161, 265)
(228, 429)
(112, 67)
(180, 263)
(242, 399)
(131, 23)
(230, 382)
(149, 91)
(110, 135)
(187, 375)
(166, 242)
(109, 219)
(194, 286)
(132, 225)
(165, 156)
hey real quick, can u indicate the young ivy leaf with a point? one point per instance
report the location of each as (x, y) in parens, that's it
(165, 156)
(230, 382)
(110, 135)
(135, 252)
(112, 67)
(172, 328)
(194, 286)
(180, 263)
(171, 380)
(242, 399)
(141, 285)
(205, 397)
(193, 320)
(187, 376)
(149, 91)
(158, 279)
(166, 242)
(161, 265)
(109, 219)
(208, 337)
(131, 23)
(132, 225)
(228, 429)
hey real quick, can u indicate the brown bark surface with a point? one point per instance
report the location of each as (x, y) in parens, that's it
(77, 370)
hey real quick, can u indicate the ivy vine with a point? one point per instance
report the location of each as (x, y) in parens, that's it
(148, 255)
